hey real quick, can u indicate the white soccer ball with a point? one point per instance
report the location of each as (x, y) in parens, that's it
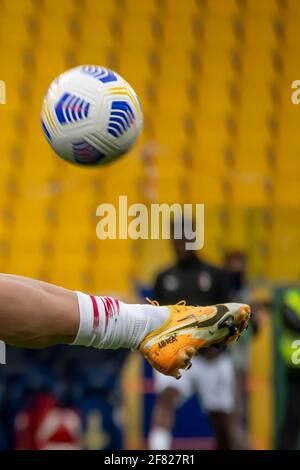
(91, 115)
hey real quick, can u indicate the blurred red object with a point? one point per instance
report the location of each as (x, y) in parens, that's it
(44, 425)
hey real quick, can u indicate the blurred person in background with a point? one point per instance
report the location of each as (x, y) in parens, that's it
(235, 265)
(290, 332)
(212, 375)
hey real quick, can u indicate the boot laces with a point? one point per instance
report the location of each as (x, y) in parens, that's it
(156, 303)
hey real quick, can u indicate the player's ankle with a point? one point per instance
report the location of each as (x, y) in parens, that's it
(106, 323)
(157, 316)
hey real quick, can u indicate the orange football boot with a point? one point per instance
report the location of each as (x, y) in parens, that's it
(188, 329)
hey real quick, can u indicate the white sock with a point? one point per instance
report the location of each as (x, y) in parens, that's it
(107, 323)
(159, 439)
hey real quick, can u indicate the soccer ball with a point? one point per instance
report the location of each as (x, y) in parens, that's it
(91, 115)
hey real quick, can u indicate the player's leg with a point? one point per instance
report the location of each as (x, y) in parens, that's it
(163, 418)
(170, 394)
(222, 424)
(34, 316)
(216, 388)
(37, 314)
(51, 288)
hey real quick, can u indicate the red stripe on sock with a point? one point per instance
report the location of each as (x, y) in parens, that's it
(111, 306)
(108, 310)
(96, 313)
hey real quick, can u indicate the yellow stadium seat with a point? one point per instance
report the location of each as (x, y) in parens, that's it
(133, 29)
(214, 100)
(56, 34)
(237, 231)
(115, 283)
(178, 70)
(94, 56)
(257, 68)
(284, 244)
(69, 272)
(56, 8)
(26, 27)
(179, 32)
(213, 233)
(40, 159)
(31, 216)
(253, 122)
(291, 31)
(172, 101)
(293, 6)
(288, 155)
(262, 9)
(288, 163)
(50, 65)
(210, 126)
(260, 32)
(286, 191)
(15, 62)
(104, 8)
(247, 191)
(169, 139)
(227, 8)
(96, 32)
(9, 187)
(210, 155)
(207, 188)
(24, 7)
(136, 69)
(251, 158)
(289, 121)
(26, 263)
(255, 98)
(141, 9)
(179, 9)
(216, 65)
(291, 62)
(216, 27)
